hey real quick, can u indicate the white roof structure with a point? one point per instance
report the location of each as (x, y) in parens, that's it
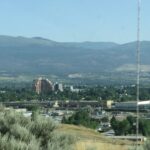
(144, 102)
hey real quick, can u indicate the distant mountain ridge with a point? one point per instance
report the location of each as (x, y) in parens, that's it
(39, 55)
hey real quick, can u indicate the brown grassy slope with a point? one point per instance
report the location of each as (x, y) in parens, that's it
(88, 139)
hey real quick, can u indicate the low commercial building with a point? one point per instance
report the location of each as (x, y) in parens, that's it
(109, 103)
(131, 105)
(130, 138)
(58, 87)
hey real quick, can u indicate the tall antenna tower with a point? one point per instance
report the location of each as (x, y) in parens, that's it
(138, 71)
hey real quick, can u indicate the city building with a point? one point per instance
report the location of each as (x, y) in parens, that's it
(58, 87)
(74, 90)
(109, 104)
(131, 105)
(42, 86)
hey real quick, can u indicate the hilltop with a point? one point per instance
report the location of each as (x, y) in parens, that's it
(90, 139)
(37, 55)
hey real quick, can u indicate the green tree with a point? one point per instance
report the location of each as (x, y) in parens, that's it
(81, 117)
(120, 127)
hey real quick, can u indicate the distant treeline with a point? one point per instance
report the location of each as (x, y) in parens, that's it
(99, 93)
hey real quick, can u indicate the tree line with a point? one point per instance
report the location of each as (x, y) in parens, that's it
(128, 126)
(99, 93)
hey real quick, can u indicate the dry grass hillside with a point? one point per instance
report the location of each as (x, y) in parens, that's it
(88, 139)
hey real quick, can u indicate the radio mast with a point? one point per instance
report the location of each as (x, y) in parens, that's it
(138, 70)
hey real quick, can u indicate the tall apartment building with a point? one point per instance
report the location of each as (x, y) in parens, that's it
(42, 86)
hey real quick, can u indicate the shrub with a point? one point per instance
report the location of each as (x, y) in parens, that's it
(38, 133)
(61, 142)
(21, 133)
(43, 128)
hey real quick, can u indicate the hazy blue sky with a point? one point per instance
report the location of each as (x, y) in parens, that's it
(74, 20)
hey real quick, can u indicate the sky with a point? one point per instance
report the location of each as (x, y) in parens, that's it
(75, 20)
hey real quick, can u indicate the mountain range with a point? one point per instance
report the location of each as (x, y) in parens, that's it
(43, 56)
